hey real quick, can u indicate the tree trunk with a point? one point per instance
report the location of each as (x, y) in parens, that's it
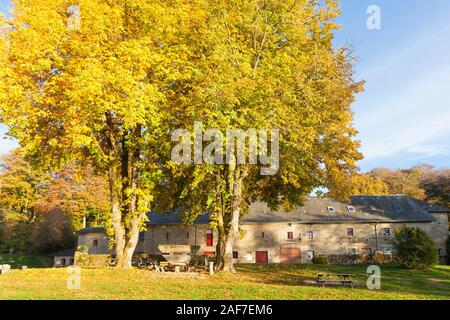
(132, 241)
(131, 218)
(220, 248)
(119, 230)
(231, 229)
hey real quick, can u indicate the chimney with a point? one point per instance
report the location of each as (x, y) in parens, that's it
(84, 222)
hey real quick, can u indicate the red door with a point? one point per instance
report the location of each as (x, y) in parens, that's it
(262, 257)
(209, 239)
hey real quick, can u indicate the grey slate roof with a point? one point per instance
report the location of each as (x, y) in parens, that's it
(434, 207)
(92, 230)
(397, 208)
(367, 209)
(172, 218)
(437, 208)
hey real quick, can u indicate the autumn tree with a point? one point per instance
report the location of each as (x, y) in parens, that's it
(21, 186)
(342, 186)
(92, 79)
(436, 183)
(80, 194)
(34, 202)
(52, 232)
(266, 65)
(402, 181)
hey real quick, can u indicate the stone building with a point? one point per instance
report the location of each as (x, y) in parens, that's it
(320, 227)
(63, 258)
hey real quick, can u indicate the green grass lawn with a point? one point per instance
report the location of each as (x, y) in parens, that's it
(17, 260)
(250, 282)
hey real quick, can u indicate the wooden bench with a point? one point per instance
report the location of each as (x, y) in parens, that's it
(344, 279)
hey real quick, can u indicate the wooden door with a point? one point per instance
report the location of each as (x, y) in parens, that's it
(290, 255)
(262, 257)
(209, 239)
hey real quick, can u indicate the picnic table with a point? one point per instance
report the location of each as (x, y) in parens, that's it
(164, 266)
(344, 279)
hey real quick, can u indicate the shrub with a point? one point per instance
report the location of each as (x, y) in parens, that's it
(379, 257)
(320, 260)
(91, 260)
(415, 249)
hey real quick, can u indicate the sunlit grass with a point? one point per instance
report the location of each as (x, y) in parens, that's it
(250, 282)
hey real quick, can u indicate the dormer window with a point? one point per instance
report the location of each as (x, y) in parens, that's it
(351, 209)
(331, 209)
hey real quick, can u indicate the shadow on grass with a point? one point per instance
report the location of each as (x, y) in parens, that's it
(394, 278)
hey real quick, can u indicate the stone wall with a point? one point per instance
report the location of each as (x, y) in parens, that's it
(88, 239)
(178, 235)
(327, 239)
(63, 261)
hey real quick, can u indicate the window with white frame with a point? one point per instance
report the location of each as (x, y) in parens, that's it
(351, 209)
(331, 209)
(310, 235)
(310, 254)
(388, 250)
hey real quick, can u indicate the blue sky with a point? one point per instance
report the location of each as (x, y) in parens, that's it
(404, 114)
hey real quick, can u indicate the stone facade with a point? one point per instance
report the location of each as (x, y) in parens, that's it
(307, 239)
(296, 237)
(195, 235)
(63, 261)
(96, 241)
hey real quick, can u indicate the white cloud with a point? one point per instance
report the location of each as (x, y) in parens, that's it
(405, 111)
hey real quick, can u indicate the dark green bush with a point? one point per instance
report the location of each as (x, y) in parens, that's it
(415, 249)
(320, 260)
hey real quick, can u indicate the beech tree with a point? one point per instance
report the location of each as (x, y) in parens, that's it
(402, 181)
(91, 80)
(267, 65)
(108, 80)
(342, 185)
